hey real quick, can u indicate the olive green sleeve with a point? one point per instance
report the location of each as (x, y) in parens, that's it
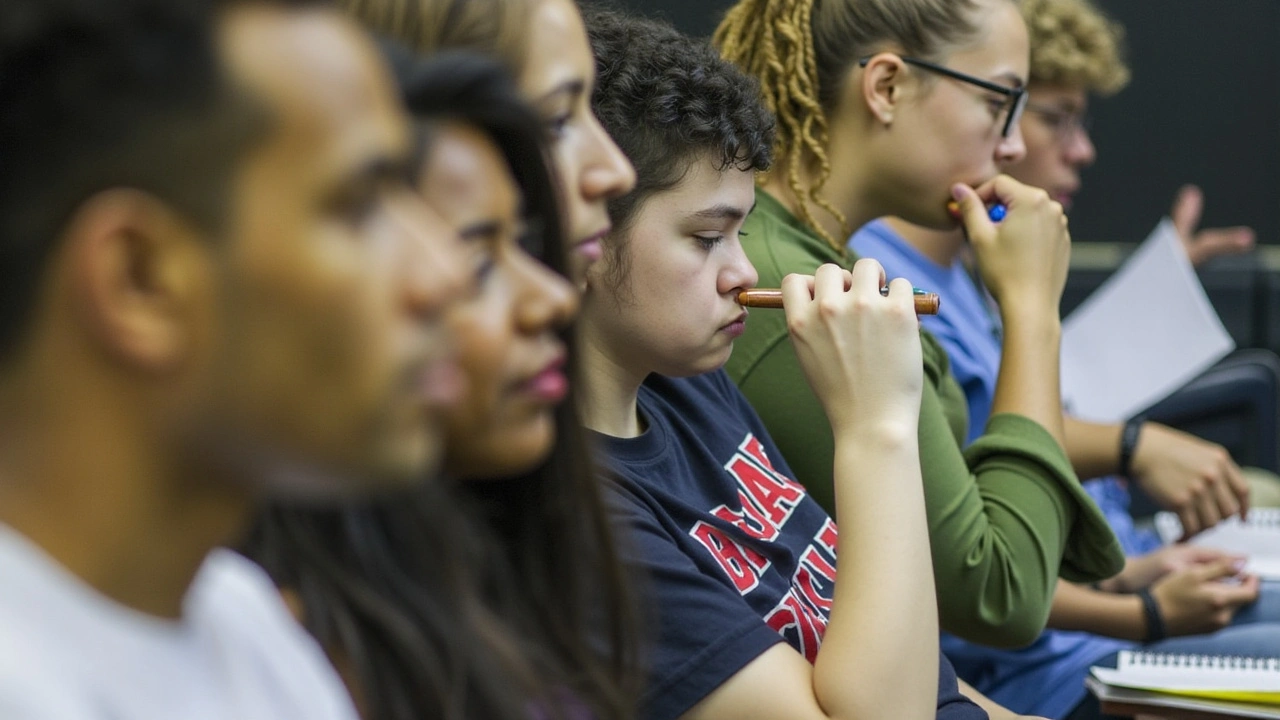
(1006, 517)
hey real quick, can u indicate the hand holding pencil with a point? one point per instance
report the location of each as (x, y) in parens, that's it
(858, 346)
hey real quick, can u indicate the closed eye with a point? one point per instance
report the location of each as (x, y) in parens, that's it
(708, 242)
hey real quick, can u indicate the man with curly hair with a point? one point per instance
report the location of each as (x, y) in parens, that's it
(1176, 591)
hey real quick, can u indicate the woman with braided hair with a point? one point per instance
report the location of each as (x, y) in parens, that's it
(910, 108)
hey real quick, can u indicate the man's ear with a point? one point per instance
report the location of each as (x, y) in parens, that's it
(880, 85)
(142, 277)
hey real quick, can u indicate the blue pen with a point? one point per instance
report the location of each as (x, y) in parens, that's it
(996, 212)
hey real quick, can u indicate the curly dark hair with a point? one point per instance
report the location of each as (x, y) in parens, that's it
(669, 100)
(96, 95)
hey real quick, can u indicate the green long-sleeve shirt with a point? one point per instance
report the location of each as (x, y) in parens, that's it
(1006, 516)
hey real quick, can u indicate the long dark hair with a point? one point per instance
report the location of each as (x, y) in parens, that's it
(494, 599)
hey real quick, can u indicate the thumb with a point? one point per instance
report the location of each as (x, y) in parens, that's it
(1187, 207)
(973, 212)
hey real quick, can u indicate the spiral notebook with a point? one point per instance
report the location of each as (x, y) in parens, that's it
(1127, 702)
(1258, 538)
(1249, 680)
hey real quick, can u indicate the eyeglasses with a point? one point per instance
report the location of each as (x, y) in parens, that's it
(1015, 97)
(1064, 123)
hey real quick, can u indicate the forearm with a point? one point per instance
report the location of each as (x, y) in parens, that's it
(1093, 448)
(1080, 608)
(1028, 383)
(883, 629)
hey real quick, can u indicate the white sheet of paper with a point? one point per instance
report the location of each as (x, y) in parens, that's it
(1143, 334)
(1258, 539)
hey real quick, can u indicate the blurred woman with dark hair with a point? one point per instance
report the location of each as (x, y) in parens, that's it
(496, 593)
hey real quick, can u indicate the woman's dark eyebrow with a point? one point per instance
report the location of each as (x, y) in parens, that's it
(573, 88)
(1012, 78)
(723, 211)
(482, 230)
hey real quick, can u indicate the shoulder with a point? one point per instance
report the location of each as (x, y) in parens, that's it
(778, 244)
(229, 585)
(879, 241)
(235, 605)
(710, 400)
(234, 599)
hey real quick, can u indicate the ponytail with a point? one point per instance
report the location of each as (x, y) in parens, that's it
(771, 40)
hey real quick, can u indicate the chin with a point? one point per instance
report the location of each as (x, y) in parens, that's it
(935, 218)
(405, 466)
(697, 366)
(502, 458)
(330, 484)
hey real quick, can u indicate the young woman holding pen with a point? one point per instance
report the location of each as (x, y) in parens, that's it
(746, 616)
(897, 107)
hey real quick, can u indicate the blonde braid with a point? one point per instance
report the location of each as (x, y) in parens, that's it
(772, 40)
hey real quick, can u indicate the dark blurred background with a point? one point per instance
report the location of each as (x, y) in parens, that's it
(1203, 107)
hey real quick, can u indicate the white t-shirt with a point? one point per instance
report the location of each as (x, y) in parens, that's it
(69, 653)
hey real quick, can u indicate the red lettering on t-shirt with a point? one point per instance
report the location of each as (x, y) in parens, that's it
(820, 565)
(812, 574)
(749, 519)
(742, 564)
(774, 497)
(826, 537)
(809, 627)
(753, 449)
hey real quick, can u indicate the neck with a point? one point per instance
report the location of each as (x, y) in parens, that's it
(609, 404)
(851, 188)
(92, 483)
(943, 247)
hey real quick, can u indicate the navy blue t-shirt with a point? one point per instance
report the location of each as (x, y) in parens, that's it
(735, 554)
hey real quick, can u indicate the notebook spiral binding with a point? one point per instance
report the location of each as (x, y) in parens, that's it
(1169, 528)
(1205, 662)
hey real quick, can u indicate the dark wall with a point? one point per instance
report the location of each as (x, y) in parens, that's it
(695, 17)
(1203, 107)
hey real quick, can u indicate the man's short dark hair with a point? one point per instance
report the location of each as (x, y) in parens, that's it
(669, 101)
(97, 94)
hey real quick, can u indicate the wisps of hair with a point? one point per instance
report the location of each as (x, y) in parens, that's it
(101, 95)
(493, 27)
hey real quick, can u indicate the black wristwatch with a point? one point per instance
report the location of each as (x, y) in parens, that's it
(1129, 443)
(1156, 629)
